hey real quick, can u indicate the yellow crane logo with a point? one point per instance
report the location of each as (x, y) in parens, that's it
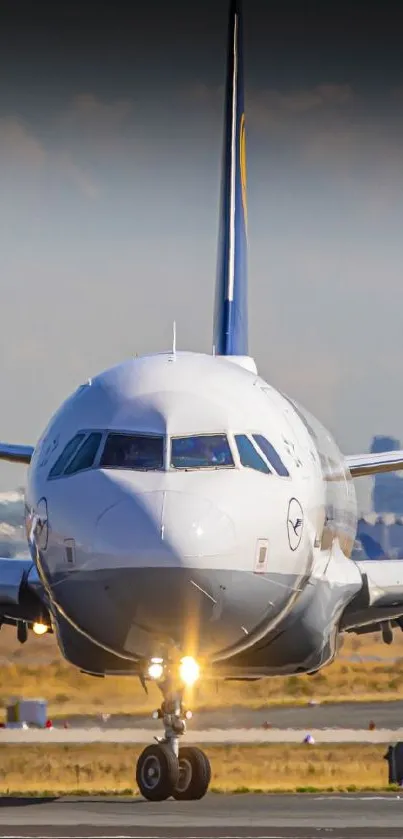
(242, 155)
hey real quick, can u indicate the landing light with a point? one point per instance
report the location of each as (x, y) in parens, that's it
(189, 670)
(156, 668)
(40, 628)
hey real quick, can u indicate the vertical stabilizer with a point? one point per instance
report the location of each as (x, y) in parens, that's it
(231, 304)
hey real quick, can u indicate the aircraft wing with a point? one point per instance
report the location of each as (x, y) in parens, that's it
(16, 454)
(21, 592)
(370, 464)
(381, 597)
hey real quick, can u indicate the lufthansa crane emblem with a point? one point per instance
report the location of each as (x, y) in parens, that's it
(295, 523)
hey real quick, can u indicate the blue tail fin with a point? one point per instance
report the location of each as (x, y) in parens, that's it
(231, 304)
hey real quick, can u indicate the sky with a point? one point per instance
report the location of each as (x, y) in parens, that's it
(110, 149)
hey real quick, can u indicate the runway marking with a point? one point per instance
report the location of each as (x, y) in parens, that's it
(96, 734)
(344, 797)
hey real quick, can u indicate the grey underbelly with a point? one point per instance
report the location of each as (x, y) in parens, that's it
(142, 611)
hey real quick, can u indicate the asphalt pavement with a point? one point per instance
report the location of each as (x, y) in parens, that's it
(353, 715)
(280, 816)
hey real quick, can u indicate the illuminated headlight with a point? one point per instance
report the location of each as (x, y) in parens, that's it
(156, 668)
(40, 628)
(189, 670)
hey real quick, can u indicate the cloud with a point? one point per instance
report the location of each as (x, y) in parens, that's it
(77, 175)
(350, 140)
(328, 129)
(328, 123)
(331, 124)
(321, 96)
(366, 159)
(271, 108)
(95, 125)
(90, 110)
(19, 146)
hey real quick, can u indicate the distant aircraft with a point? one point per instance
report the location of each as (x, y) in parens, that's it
(186, 520)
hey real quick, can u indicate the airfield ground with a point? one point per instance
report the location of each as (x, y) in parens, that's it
(365, 670)
(109, 768)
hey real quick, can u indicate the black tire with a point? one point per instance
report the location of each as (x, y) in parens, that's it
(194, 774)
(157, 772)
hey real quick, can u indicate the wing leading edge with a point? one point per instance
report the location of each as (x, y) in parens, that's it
(21, 592)
(16, 454)
(371, 464)
(380, 599)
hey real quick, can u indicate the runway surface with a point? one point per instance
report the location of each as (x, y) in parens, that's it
(212, 736)
(335, 715)
(300, 816)
(327, 723)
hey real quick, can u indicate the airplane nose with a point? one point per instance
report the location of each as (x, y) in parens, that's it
(164, 551)
(167, 528)
(196, 527)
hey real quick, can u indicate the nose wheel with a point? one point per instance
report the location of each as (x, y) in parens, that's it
(157, 772)
(160, 774)
(165, 770)
(194, 774)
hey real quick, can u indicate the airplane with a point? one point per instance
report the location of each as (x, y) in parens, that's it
(186, 520)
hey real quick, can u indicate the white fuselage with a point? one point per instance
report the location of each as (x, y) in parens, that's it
(201, 559)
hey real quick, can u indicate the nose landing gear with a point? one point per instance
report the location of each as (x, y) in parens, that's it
(194, 774)
(166, 770)
(157, 772)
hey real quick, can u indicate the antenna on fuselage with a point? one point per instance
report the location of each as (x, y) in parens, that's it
(174, 338)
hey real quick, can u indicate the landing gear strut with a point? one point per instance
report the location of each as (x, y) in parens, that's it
(166, 769)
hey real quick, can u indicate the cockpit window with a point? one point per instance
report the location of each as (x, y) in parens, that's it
(86, 454)
(272, 456)
(249, 456)
(201, 452)
(133, 451)
(66, 455)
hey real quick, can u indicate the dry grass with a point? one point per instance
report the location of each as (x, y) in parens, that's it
(36, 669)
(110, 768)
